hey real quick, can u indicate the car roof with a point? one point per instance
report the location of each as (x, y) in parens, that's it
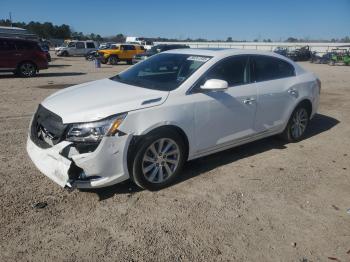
(18, 39)
(221, 52)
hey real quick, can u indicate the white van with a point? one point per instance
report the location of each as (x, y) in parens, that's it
(76, 48)
(147, 44)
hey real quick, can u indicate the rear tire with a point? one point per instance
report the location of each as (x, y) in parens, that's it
(158, 160)
(297, 124)
(27, 69)
(129, 61)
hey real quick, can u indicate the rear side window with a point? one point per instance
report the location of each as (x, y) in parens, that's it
(234, 70)
(7, 45)
(90, 45)
(80, 45)
(270, 68)
(22, 45)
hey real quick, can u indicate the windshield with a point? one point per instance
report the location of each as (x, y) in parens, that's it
(163, 72)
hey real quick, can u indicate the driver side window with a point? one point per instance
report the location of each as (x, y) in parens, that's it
(234, 70)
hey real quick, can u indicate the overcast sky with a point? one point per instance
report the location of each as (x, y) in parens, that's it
(216, 19)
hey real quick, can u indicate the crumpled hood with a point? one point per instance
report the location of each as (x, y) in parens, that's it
(99, 99)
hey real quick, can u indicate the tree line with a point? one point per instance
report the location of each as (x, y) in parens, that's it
(47, 30)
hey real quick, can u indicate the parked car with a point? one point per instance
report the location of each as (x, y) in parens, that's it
(146, 43)
(321, 57)
(148, 120)
(94, 53)
(300, 54)
(76, 48)
(22, 57)
(106, 45)
(340, 56)
(281, 50)
(155, 50)
(120, 52)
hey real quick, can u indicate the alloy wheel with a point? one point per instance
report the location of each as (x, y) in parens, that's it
(27, 69)
(160, 160)
(299, 123)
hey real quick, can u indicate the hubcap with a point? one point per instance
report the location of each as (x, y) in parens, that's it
(27, 69)
(160, 160)
(300, 119)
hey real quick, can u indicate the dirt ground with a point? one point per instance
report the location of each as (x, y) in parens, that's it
(265, 201)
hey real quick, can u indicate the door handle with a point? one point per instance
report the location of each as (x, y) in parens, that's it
(293, 92)
(248, 101)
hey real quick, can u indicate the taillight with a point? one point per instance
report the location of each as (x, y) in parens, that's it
(42, 54)
(319, 85)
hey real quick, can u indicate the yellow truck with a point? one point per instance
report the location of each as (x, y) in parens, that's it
(120, 52)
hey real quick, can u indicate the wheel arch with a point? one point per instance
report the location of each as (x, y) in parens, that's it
(308, 104)
(137, 139)
(27, 60)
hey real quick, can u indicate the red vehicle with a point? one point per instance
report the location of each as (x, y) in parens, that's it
(22, 57)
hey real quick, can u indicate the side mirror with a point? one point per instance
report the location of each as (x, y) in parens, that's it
(215, 85)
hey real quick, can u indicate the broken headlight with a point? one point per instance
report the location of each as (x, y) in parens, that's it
(94, 131)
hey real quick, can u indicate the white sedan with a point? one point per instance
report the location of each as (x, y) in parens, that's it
(147, 121)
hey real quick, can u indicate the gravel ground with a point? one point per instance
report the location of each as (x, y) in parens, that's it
(265, 201)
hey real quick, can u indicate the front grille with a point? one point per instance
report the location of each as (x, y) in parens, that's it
(47, 128)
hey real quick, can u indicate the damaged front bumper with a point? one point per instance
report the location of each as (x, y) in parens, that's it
(62, 163)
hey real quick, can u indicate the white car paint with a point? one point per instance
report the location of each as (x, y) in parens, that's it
(76, 48)
(212, 121)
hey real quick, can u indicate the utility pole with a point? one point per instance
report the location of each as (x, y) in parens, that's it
(11, 19)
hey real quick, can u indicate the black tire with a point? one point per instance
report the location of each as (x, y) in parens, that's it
(27, 69)
(292, 133)
(142, 150)
(65, 53)
(89, 57)
(113, 60)
(129, 61)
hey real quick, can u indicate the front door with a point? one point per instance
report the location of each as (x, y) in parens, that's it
(123, 55)
(223, 117)
(80, 48)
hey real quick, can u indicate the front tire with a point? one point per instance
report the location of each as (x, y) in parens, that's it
(297, 124)
(27, 69)
(113, 60)
(159, 159)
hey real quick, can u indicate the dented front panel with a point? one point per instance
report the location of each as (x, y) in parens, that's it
(108, 162)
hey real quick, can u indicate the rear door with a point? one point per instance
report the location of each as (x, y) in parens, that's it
(131, 51)
(8, 54)
(90, 46)
(275, 79)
